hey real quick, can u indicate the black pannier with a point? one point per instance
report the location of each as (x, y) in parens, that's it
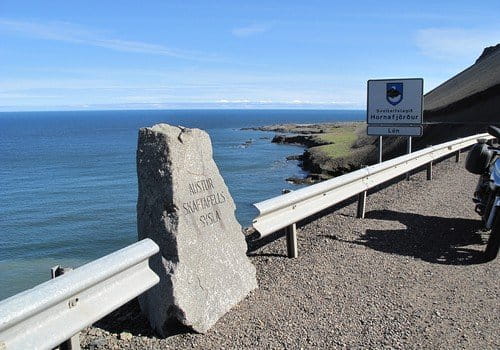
(478, 159)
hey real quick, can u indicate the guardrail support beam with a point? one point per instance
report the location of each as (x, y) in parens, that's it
(361, 205)
(291, 241)
(429, 171)
(74, 342)
(279, 212)
(49, 314)
(457, 156)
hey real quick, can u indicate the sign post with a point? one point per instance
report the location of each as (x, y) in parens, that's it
(395, 108)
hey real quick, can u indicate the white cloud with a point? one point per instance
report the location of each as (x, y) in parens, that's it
(250, 30)
(283, 102)
(233, 101)
(12, 96)
(105, 87)
(455, 45)
(71, 33)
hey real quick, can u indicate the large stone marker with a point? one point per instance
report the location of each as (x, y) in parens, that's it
(185, 207)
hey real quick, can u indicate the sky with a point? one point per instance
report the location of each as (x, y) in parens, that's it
(77, 55)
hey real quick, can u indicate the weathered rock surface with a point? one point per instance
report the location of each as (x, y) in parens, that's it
(185, 207)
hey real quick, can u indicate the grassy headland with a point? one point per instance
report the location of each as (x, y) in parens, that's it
(332, 148)
(338, 141)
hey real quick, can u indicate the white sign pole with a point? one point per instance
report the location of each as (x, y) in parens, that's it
(380, 149)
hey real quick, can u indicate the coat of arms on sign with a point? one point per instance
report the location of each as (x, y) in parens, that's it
(394, 93)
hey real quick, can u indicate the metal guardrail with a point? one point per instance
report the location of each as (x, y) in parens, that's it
(52, 312)
(286, 210)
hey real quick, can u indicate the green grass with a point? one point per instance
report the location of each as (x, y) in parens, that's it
(341, 141)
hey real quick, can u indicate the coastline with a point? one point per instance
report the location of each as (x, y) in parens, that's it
(332, 149)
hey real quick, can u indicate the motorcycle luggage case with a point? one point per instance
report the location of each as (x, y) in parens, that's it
(478, 159)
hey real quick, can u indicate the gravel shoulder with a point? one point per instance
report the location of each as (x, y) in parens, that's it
(409, 276)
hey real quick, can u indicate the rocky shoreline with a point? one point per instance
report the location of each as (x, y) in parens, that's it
(332, 149)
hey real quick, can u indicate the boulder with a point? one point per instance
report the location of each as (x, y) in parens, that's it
(186, 208)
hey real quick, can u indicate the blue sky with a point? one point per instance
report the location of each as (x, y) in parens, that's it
(60, 55)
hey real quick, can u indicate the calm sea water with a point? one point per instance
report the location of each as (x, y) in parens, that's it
(68, 186)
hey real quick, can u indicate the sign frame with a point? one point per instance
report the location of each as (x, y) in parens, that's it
(393, 122)
(395, 126)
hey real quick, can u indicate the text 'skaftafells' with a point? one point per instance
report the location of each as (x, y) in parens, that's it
(185, 207)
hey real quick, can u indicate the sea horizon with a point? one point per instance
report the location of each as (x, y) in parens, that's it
(69, 187)
(217, 108)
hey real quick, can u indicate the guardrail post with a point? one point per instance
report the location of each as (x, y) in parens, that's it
(408, 151)
(361, 205)
(429, 171)
(74, 342)
(457, 156)
(291, 241)
(291, 235)
(380, 149)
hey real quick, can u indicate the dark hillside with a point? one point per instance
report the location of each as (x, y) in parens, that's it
(463, 105)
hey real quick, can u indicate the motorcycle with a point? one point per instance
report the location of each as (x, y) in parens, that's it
(484, 160)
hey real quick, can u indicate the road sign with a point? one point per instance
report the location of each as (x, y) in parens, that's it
(395, 101)
(394, 130)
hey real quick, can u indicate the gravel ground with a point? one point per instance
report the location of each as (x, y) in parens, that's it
(409, 276)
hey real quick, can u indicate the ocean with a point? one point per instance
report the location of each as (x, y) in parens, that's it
(68, 186)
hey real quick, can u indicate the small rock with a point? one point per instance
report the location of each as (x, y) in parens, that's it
(93, 332)
(97, 343)
(125, 336)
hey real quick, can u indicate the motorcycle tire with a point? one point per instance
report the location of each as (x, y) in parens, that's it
(493, 245)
